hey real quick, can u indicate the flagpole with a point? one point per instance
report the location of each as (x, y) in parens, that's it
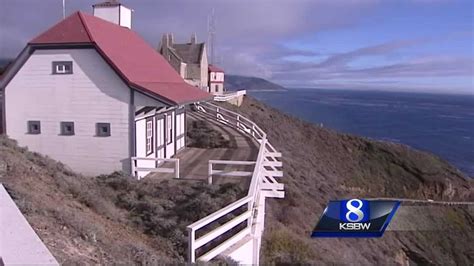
(64, 9)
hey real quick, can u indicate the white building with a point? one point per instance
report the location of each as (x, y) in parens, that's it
(93, 94)
(188, 59)
(216, 80)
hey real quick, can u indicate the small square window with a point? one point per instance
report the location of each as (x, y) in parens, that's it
(34, 127)
(62, 67)
(67, 128)
(103, 129)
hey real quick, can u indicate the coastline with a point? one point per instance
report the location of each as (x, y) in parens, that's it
(375, 118)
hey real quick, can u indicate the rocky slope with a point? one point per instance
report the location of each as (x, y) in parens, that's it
(321, 164)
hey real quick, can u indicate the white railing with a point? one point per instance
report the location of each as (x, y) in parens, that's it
(232, 119)
(229, 95)
(213, 171)
(159, 168)
(263, 180)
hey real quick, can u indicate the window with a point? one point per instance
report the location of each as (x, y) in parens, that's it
(169, 129)
(103, 129)
(67, 128)
(149, 136)
(62, 67)
(34, 127)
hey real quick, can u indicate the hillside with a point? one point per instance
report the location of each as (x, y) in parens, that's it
(235, 82)
(321, 164)
(111, 219)
(106, 219)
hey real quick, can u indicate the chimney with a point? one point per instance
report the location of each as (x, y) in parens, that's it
(193, 38)
(164, 42)
(114, 12)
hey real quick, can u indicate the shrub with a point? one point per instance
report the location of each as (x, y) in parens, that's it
(201, 135)
(283, 247)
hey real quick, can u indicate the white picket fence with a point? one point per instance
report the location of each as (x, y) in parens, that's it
(213, 171)
(263, 184)
(229, 95)
(158, 168)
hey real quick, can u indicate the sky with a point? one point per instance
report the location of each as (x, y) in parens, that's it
(404, 45)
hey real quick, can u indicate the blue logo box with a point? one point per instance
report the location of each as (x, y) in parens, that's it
(355, 218)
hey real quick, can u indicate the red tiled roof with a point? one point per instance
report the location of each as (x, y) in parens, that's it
(213, 68)
(69, 30)
(138, 63)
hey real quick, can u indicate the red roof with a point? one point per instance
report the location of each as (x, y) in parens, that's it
(136, 61)
(213, 68)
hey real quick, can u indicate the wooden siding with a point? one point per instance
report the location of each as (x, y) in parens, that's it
(93, 93)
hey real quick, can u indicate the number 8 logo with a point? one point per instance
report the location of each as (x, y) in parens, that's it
(354, 210)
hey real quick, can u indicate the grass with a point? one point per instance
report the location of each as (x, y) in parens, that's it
(282, 247)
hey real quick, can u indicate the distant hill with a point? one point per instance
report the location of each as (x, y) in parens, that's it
(235, 82)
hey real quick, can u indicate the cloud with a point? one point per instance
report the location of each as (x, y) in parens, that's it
(340, 60)
(251, 37)
(420, 67)
(248, 65)
(238, 23)
(434, 66)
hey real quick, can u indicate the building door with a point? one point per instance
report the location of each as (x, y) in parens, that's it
(170, 134)
(160, 137)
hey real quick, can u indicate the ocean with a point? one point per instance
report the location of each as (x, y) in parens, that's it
(440, 124)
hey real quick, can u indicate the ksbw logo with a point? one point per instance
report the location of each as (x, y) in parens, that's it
(355, 210)
(355, 218)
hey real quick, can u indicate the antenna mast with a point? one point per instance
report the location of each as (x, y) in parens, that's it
(64, 9)
(211, 35)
